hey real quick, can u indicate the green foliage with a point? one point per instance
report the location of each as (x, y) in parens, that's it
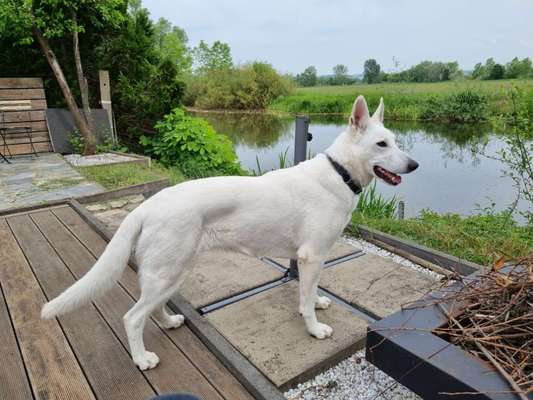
(479, 238)
(517, 68)
(490, 71)
(371, 71)
(211, 58)
(193, 145)
(171, 43)
(373, 205)
(251, 86)
(308, 77)
(464, 107)
(77, 141)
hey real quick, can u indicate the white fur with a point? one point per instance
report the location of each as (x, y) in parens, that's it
(296, 212)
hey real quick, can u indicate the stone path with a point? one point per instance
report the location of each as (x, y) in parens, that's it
(266, 326)
(32, 180)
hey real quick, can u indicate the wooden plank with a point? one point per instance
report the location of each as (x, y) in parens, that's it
(147, 188)
(51, 365)
(115, 304)
(25, 148)
(36, 126)
(14, 382)
(96, 347)
(15, 83)
(22, 94)
(38, 105)
(183, 337)
(22, 138)
(22, 116)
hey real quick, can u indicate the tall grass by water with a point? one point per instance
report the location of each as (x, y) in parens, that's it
(455, 101)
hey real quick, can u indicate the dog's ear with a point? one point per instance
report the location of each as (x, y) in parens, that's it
(379, 114)
(360, 115)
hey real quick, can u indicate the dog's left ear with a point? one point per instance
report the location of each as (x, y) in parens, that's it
(360, 115)
(379, 114)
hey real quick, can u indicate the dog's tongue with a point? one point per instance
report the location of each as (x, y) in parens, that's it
(388, 176)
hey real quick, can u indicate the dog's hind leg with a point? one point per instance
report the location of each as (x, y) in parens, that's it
(309, 267)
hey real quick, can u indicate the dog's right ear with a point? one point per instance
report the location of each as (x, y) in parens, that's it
(360, 115)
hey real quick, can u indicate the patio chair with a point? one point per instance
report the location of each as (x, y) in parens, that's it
(23, 107)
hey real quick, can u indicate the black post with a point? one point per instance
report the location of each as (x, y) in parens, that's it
(300, 153)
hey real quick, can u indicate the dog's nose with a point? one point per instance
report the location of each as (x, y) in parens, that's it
(412, 165)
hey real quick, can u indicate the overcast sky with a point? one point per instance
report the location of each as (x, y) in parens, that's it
(292, 35)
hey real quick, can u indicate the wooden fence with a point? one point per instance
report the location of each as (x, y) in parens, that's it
(23, 103)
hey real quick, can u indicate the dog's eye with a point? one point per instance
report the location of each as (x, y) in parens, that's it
(382, 144)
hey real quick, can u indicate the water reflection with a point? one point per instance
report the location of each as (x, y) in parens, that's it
(453, 176)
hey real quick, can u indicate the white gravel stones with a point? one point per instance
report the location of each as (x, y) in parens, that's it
(372, 248)
(78, 160)
(351, 379)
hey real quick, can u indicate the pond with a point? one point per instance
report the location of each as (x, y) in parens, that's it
(455, 174)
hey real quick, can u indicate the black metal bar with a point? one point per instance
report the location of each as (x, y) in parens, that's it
(301, 137)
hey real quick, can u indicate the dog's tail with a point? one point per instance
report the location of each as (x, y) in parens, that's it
(103, 275)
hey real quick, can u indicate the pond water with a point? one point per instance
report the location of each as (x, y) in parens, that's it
(455, 174)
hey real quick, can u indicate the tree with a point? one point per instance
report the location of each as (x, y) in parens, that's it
(171, 42)
(371, 71)
(214, 57)
(26, 20)
(308, 77)
(496, 72)
(518, 68)
(340, 73)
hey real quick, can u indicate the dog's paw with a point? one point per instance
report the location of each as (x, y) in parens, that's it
(321, 331)
(322, 303)
(148, 360)
(173, 321)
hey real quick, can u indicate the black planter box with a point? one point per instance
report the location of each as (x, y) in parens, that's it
(403, 346)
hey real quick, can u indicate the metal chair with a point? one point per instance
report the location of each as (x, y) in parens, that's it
(18, 106)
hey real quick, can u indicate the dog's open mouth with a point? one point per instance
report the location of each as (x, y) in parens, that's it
(390, 177)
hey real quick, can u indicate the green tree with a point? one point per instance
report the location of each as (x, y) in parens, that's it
(340, 73)
(497, 72)
(518, 68)
(214, 57)
(171, 42)
(308, 77)
(26, 20)
(371, 71)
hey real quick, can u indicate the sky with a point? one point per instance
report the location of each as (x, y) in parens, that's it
(291, 35)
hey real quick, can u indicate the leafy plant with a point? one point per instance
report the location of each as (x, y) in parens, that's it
(193, 145)
(77, 141)
(373, 204)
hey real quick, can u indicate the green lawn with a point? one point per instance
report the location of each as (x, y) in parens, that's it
(115, 176)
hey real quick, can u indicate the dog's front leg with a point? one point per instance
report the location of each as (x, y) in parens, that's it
(309, 270)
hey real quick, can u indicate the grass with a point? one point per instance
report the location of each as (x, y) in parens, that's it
(58, 183)
(115, 176)
(406, 101)
(478, 238)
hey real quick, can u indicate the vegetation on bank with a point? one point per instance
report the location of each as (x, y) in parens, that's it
(478, 238)
(461, 101)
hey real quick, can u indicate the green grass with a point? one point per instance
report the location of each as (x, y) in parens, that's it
(478, 238)
(115, 176)
(404, 101)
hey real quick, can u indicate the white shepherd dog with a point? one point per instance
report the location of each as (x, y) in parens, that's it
(296, 212)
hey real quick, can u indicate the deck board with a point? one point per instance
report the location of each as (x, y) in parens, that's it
(97, 348)
(115, 304)
(183, 338)
(51, 365)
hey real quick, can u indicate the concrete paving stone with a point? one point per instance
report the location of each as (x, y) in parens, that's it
(118, 203)
(267, 329)
(96, 207)
(339, 249)
(217, 275)
(376, 283)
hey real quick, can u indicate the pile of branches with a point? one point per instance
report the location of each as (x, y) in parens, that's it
(492, 318)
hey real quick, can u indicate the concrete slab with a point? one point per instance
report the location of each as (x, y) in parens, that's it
(376, 284)
(339, 249)
(218, 275)
(267, 329)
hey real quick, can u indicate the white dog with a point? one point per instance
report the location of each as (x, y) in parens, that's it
(296, 212)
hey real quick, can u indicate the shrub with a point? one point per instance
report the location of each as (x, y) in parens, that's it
(193, 145)
(466, 106)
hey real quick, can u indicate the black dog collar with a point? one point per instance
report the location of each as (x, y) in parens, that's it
(345, 175)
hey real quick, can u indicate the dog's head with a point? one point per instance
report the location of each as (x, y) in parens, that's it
(375, 145)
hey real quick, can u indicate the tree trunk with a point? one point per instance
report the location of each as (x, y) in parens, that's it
(82, 81)
(81, 124)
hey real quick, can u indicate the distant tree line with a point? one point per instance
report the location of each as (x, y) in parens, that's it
(425, 71)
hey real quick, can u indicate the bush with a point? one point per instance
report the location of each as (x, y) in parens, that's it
(193, 145)
(466, 106)
(249, 87)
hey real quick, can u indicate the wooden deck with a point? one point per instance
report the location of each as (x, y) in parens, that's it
(84, 354)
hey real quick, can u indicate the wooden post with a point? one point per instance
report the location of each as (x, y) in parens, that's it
(105, 98)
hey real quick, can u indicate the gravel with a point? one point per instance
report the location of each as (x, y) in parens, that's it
(355, 378)
(352, 379)
(78, 160)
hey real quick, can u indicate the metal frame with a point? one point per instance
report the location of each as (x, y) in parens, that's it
(403, 346)
(24, 130)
